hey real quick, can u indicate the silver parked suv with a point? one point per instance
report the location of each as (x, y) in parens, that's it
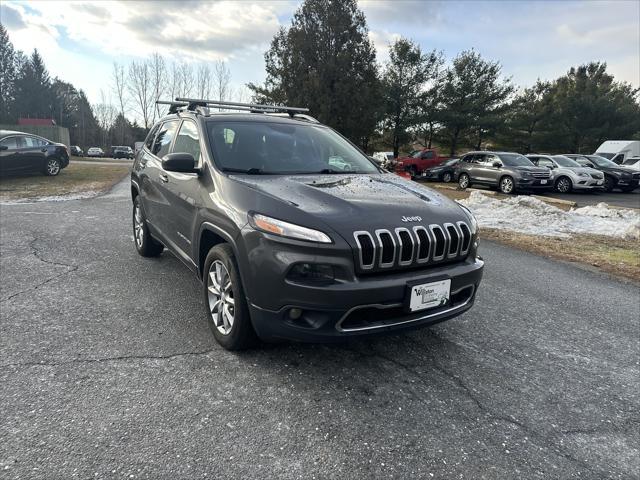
(568, 174)
(507, 171)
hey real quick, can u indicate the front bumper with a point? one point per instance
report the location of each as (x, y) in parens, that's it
(366, 306)
(534, 184)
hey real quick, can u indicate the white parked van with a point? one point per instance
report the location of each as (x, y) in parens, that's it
(619, 150)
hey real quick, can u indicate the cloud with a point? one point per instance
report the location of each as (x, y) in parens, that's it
(381, 40)
(190, 30)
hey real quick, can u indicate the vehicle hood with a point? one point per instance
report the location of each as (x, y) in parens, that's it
(578, 170)
(618, 169)
(347, 203)
(533, 169)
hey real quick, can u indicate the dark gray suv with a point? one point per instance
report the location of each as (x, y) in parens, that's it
(293, 231)
(509, 172)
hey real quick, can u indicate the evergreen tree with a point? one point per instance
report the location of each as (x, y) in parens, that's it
(325, 61)
(474, 99)
(33, 88)
(405, 80)
(7, 75)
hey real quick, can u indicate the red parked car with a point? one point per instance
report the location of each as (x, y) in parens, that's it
(419, 161)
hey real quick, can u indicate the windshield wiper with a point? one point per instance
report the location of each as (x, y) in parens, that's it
(250, 171)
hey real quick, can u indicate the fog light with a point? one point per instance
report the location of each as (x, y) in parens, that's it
(312, 272)
(295, 313)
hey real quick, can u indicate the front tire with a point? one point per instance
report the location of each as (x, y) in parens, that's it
(447, 177)
(225, 302)
(52, 167)
(563, 185)
(146, 245)
(507, 185)
(609, 184)
(464, 181)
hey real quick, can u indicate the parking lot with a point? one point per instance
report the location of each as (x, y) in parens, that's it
(109, 371)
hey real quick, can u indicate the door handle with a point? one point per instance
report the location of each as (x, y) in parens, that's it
(164, 178)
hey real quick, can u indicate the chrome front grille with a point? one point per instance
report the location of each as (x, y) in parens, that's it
(541, 174)
(409, 247)
(636, 176)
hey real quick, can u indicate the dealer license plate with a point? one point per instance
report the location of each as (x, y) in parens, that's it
(543, 182)
(429, 295)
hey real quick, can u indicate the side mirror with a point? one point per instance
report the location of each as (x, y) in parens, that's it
(497, 164)
(179, 162)
(550, 167)
(4, 147)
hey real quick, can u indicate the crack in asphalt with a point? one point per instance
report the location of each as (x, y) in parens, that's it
(107, 359)
(36, 253)
(537, 438)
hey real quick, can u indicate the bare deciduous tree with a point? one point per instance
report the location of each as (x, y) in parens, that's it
(203, 81)
(119, 87)
(222, 76)
(105, 114)
(188, 79)
(140, 84)
(158, 79)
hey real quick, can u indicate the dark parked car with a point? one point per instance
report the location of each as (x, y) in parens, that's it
(121, 151)
(444, 172)
(294, 232)
(615, 176)
(510, 172)
(27, 153)
(77, 151)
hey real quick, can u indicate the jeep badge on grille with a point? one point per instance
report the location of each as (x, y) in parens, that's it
(411, 219)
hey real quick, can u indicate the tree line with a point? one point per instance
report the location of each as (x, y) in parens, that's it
(326, 61)
(28, 91)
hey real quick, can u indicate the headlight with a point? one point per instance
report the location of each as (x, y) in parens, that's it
(582, 174)
(286, 229)
(472, 219)
(526, 174)
(617, 174)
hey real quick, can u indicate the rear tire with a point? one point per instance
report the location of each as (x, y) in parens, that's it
(464, 181)
(146, 245)
(413, 171)
(225, 302)
(628, 189)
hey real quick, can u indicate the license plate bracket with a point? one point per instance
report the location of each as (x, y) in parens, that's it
(421, 295)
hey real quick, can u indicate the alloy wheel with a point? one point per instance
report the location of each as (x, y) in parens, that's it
(506, 185)
(464, 181)
(220, 296)
(564, 185)
(138, 226)
(446, 178)
(53, 167)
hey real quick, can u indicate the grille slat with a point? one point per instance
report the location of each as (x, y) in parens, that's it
(403, 247)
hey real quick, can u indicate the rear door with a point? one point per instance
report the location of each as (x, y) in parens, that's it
(183, 190)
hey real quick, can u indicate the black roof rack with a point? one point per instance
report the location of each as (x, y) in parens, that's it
(194, 103)
(174, 106)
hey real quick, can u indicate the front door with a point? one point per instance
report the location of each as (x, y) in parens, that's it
(8, 158)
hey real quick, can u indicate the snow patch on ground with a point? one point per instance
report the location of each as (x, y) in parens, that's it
(53, 198)
(529, 215)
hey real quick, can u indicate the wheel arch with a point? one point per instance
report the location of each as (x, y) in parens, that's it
(208, 237)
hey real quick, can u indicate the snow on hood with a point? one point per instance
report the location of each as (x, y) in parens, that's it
(529, 215)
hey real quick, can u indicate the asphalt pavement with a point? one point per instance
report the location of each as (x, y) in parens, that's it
(108, 370)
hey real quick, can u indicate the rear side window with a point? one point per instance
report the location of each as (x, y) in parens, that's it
(149, 141)
(31, 142)
(428, 155)
(188, 140)
(163, 140)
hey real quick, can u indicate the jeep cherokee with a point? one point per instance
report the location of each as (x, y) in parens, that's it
(294, 232)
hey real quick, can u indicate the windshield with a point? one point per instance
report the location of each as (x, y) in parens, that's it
(601, 161)
(565, 161)
(451, 162)
(277, 148)
(515, 160)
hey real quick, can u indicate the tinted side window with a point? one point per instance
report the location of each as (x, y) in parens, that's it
(31, 142)
(149, 141)
(188, 140)
(467, 159)
(427, 155)
(163, 140)
(11, 143)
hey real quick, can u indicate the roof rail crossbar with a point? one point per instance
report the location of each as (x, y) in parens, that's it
(248, 106)
(174, 106)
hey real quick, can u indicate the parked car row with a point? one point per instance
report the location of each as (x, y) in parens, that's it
(117, 151)
(27, 153)
(510, 172)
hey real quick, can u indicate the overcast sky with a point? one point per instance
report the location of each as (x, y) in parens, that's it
(80, 40)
